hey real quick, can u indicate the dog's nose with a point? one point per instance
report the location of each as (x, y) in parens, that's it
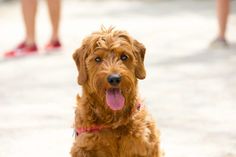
(114, 79)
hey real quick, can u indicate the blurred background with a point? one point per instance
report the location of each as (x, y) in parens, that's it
(190, 88)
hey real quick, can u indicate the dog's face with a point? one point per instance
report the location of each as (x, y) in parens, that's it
(109, 63)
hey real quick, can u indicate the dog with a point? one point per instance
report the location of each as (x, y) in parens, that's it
(110, 118)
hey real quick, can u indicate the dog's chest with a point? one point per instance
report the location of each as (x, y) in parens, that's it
(135, 140)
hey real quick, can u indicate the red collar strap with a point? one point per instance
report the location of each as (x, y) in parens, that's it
(96, 128)
(139, 106)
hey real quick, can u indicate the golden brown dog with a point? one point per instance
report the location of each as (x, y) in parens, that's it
(110, 119)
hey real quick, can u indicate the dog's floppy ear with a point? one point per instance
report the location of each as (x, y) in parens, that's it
(139, 51)
(79, 58)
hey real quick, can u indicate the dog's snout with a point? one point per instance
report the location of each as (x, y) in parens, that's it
(114, 79)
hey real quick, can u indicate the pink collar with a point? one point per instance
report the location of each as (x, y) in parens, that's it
(96, 128)
(139, 106)
(93, 128)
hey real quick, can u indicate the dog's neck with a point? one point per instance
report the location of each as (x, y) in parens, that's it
(97, 128)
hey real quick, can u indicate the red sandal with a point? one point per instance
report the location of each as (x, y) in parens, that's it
(53, 46)
(22, 50)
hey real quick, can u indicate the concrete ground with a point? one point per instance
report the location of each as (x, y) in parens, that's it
(190, 89)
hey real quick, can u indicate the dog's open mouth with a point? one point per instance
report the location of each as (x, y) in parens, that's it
(114, 98)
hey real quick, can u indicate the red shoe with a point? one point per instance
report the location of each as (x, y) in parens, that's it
(21, 45)
(53, 46)
(22, 50)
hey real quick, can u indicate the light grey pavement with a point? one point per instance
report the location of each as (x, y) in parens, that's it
(190, 89)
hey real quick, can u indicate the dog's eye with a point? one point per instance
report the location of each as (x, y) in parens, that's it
(123, 57)
(98, 59)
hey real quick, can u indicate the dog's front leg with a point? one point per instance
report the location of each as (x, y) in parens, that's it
(94, 145)
(79, 152)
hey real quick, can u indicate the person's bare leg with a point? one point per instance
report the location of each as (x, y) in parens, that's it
(223, 8)
(29, 8)
(54, 7)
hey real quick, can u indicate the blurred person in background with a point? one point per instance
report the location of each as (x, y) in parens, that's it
(222, 9)
(29, 46)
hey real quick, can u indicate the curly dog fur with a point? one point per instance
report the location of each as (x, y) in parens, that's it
(126, 130)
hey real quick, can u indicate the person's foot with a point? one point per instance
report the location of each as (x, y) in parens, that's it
(22, 50)
(219, 43)
(53, 46)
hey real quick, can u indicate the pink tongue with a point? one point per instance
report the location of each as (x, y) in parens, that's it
(115, 99)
